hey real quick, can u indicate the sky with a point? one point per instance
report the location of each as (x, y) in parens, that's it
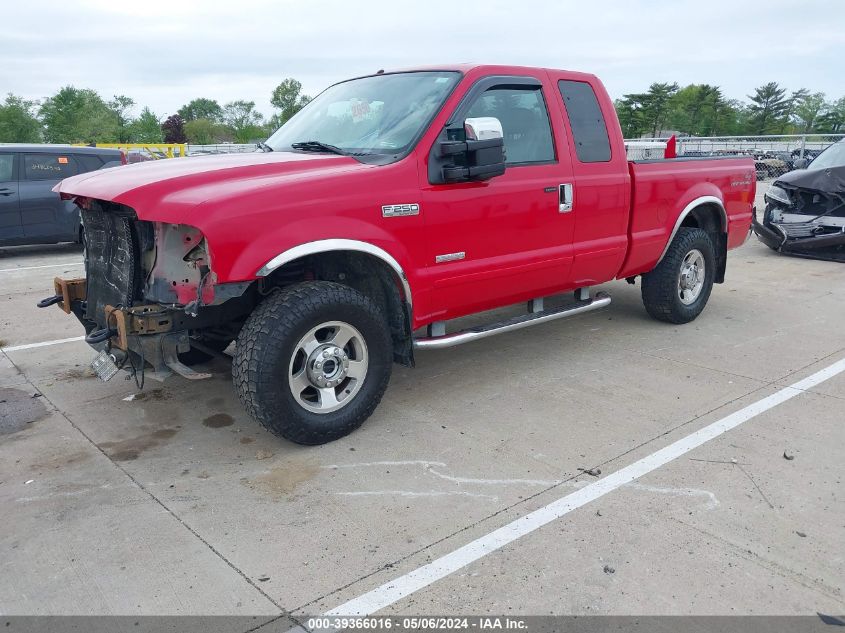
(163, 53)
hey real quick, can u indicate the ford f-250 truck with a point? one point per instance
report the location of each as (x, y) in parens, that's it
(388, 206)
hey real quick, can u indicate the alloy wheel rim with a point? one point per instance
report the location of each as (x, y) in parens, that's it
(328, 367)
(691, 277)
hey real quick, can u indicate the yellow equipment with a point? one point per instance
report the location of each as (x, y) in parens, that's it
(155, 150)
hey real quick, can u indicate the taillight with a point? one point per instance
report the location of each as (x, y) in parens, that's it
(122, 157)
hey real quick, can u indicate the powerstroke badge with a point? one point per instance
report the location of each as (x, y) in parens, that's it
(396, 210)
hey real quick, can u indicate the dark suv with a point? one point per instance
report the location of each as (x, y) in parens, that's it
(30, 212)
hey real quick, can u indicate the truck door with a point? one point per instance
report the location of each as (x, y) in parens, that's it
(503, 240)
(44, 215)
(10, 212)
(602, 187)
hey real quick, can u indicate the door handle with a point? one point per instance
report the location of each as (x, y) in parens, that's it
(6, 192)
(565, 205)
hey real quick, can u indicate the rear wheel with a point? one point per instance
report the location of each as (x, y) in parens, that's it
(677, 290)
(313, 361)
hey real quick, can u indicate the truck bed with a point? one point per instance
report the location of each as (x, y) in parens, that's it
(659, 188)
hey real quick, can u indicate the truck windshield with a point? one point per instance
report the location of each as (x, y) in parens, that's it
(378, 116)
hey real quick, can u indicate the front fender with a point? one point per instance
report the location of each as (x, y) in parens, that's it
(302, 237)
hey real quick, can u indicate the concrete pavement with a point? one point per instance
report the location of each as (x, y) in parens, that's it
(171, 500)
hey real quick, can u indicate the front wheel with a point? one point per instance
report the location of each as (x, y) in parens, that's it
(677, 290)
(313, 361)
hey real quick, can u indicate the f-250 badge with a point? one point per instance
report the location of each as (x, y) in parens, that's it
(396, 210)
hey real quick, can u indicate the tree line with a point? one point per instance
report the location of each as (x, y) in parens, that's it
(702, 110)
(81, 115)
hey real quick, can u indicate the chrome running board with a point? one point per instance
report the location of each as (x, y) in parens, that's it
(601, 300)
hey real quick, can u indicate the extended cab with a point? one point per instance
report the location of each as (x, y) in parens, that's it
(388, 206)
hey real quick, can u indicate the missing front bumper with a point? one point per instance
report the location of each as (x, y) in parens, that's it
(137, 337)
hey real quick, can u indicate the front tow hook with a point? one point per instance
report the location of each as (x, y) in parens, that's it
(100, 336)
(49, 301)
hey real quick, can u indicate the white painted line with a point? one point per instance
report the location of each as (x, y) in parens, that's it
(14, 270)
(403, 586)
(17, 348)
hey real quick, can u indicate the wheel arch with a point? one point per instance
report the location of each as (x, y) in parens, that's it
(707, 213)
(333, 245)
(360, 265)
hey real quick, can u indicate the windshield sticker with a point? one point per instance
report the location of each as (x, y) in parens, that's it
(360, 110)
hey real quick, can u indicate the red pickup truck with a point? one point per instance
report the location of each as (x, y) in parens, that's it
(388, 206)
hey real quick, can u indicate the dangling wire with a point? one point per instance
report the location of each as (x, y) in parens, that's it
(139, 384)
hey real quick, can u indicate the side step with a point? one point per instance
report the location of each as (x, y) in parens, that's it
(601, 300)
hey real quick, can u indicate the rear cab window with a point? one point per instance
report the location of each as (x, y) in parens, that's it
(589, 130)
(49, 166)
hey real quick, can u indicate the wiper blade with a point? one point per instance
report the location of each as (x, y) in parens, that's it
(318, 146)
(264, 147)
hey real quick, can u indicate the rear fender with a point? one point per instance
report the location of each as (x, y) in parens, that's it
(694, 206)
(708, 213)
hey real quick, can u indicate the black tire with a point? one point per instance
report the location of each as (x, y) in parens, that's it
(267, 347)
(660, 287)
(196, 356)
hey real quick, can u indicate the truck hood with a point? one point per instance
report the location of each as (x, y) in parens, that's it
(166, 189)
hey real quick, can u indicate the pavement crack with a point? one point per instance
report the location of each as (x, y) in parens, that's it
(696, 365)
(765, 563)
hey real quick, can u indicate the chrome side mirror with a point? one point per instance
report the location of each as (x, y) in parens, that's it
(800, 163)
(483, 128)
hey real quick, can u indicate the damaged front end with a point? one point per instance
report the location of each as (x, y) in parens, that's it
(149, 301)
(805, 214)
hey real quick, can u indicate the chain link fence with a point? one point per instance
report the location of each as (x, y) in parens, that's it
(221, 148)
(773, 155)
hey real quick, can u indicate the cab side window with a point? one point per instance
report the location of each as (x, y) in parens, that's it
(592, 145)
(525, 123)
(48, 166)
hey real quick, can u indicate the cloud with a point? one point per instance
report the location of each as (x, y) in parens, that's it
(165, 52)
